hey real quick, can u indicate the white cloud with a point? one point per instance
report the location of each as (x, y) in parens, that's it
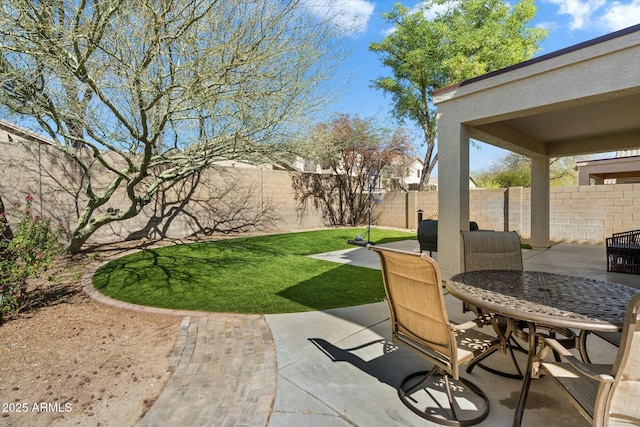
(610, 15)
(579, 10)
(619, 16)
(351, 16)
(548, 25)
(388, 31)
(432, 12)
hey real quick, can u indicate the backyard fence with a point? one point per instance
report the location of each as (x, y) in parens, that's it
(581, 214)
(238, 199)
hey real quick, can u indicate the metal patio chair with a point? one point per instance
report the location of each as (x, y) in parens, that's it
(605, 395)
(419, 321)
(494, 250)
(623, 252)
(502, 250)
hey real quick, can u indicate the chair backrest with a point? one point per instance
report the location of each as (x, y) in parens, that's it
(621, 404)
(416, 302)
(492, 250)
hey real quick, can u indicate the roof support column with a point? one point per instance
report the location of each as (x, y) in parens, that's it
(453, 193)
(540, 202)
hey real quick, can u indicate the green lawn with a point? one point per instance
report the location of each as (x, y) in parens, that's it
(266, 274)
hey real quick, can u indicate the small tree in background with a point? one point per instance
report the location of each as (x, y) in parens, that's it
(445, 42)
(514, 170)
(351, 150)
(511, 170)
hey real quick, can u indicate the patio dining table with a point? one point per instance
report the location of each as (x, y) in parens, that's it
(543, 299)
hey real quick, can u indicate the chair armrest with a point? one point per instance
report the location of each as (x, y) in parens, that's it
(471, 324)
(575, 362)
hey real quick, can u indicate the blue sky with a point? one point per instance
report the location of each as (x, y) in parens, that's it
(569, 22)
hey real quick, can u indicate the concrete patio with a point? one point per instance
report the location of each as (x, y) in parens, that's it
(339, 368)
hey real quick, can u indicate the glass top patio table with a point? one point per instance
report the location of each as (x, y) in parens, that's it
(545, 298)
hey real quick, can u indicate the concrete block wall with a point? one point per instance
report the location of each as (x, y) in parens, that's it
(427, 201)
(488, 208)
(394, 209)
(35, 170)
(589, 214)
(582, 214)
(515, 206)
(223, 197)
(229, 196)
(430, 200)
(277, 192)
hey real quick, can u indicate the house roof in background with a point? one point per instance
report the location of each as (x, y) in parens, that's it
(12, 129)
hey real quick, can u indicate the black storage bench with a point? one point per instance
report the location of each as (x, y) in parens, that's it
(623, 252)
(428, 234)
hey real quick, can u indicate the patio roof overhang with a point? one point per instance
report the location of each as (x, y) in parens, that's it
(581, 100)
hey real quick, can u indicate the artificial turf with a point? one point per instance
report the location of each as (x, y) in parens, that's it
(265, 274)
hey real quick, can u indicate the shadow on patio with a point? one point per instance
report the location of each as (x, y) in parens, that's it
(338, 367)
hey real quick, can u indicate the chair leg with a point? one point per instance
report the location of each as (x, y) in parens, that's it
(434, 411)
(452, 405)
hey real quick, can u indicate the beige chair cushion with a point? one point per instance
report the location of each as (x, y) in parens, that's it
(492, 250)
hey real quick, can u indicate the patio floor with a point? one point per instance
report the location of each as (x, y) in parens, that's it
(339, 368)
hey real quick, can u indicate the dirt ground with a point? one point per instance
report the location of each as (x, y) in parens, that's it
(70, 361)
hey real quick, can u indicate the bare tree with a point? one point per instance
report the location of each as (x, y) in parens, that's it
(143, 93)
(352, 151)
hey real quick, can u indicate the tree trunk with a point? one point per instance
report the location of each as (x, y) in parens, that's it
(7, 234)
(430, 160)
(75, 244)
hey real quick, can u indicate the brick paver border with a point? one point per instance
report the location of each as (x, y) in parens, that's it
(224, 367)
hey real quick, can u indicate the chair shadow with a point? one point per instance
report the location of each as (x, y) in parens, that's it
(391, 366)
(380, 367)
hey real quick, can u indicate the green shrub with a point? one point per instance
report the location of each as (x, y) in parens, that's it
(29, 252)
